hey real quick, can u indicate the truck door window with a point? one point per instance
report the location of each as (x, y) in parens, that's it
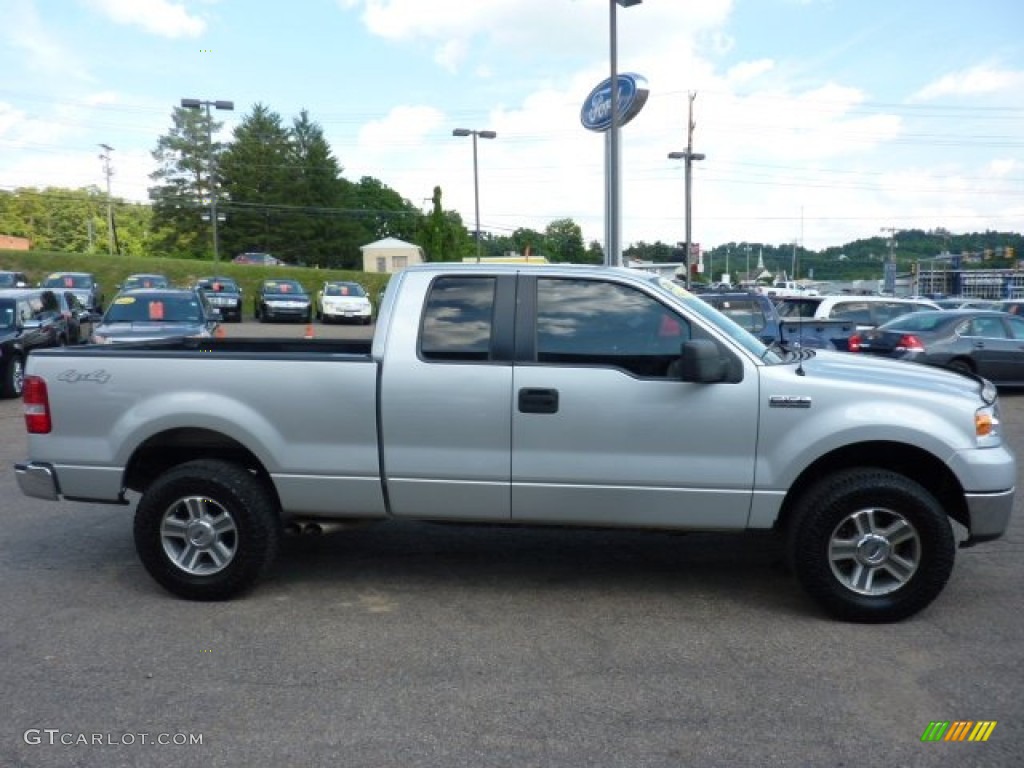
(590, 322)
(458, 319)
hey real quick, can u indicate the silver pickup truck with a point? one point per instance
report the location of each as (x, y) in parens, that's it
(545, 395)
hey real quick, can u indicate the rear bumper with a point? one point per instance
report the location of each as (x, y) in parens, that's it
(37, 480)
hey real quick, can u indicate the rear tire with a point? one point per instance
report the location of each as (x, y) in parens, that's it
(870, 545)
(207, 530)
(14, 377)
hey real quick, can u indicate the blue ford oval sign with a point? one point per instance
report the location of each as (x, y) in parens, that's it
(596, 114)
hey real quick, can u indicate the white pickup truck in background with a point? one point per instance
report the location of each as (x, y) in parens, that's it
(537, 395)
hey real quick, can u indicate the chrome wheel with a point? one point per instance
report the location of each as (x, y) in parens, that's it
(874, 551)
(198, 535)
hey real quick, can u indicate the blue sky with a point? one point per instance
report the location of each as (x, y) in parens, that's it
(822, 120)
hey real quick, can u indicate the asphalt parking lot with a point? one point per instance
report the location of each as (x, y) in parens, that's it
(409, 644)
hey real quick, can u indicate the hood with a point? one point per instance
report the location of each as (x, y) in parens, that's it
(286, 296)
(874, 372)
(143, 331)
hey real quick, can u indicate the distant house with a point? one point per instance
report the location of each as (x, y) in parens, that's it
(391, 255)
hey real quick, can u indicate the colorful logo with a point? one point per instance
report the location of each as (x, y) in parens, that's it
(958, 730)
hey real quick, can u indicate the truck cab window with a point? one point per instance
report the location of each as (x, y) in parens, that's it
(458, 319)
(590, 322)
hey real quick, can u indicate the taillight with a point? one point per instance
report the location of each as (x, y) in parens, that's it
(908, 342)
(37, 405)
(853, 343)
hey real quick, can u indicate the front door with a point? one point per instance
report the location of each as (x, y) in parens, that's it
(601, 431)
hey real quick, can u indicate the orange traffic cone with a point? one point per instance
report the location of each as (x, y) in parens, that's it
(309, 331)
(219, 333)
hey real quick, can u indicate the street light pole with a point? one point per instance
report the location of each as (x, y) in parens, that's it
(476, 176)
(613, 225)
(211, 160)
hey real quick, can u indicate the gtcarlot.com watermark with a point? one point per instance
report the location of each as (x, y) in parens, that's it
(56, 736)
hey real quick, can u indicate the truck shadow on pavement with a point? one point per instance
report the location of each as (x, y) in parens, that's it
(744, 570)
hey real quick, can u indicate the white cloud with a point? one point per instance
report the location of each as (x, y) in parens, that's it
(23, 30)
(158, 17)
(979, 80)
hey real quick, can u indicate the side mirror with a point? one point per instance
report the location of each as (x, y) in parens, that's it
(701, 362)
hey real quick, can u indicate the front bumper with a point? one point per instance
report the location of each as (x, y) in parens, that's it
(355, 313)
(989, 516)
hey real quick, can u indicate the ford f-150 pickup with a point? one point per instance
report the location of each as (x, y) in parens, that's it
(540, 395)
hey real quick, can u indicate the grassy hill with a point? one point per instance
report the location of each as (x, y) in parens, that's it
(111, 270)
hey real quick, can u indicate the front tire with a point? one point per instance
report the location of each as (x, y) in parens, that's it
(207, 530)
(870, 545)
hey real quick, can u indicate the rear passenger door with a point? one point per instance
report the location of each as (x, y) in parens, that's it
(447, 399)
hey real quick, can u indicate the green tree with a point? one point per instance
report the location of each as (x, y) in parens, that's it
(183, 184)
(259, 183)
(563, 242)
(320, 192)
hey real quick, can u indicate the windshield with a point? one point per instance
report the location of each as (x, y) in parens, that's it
(797, 307)
(734, 331)
(350, 289)
(6, 313)
(144, 281)
(283, 286)
(154, 309)
(68, 281)
(218, 286)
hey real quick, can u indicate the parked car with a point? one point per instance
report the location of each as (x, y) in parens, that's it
(144, 281)
(985, 342)
(30, 318)
(224, 294)
(84, 285)
(79, 318)
(1013, 306)
(964, 303)
(282, 299)
(147, 314)
(756, 313)
(10, 279)
(864, 311)
(341, 300)
(263, 259)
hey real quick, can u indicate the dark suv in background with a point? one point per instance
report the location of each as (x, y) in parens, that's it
(222, 293)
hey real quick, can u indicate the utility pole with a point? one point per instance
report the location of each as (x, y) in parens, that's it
(688, 157)
(108, 172)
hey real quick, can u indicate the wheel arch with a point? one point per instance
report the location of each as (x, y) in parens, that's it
(910, 461)
(173, 447)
